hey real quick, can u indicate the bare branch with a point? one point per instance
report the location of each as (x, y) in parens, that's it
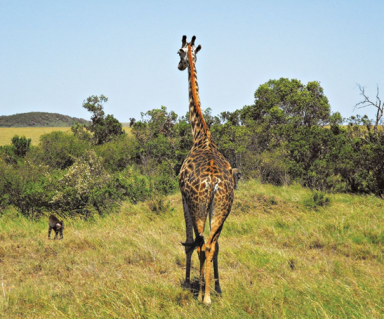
(367, 102)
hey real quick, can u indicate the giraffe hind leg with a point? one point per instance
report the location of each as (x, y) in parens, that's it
(216, 253)
(211, 255)
(202, 258)
(216, 269)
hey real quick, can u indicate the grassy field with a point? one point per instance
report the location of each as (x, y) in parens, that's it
(34, 133)
(280, 257)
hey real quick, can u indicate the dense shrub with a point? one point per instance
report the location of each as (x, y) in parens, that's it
(7, 154)
(119, 154)
(136, 187)
(86, 187)
(280, 139)
(26, 186)
(361, 163)
(21, 145)
(58, 150)
(319, 199)
(165, 184)
(273, 167)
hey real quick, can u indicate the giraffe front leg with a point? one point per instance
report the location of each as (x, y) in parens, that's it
(188, 252)
(189, 241)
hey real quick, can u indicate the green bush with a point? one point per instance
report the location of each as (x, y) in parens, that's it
(136, 187)
(165, 184)
(280, 139)
(273, 168)
(119, 154)
(16, 151)
(87, 187)
(21, 145)
(58, 149)
(319, 199)
(7, 154)
(26, 186)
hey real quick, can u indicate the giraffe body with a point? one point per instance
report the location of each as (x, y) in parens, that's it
(206, 184)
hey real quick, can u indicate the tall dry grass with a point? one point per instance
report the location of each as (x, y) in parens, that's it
(279, 258)
(34, 133)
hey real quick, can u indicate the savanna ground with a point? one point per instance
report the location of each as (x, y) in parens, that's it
(34, 133)
(281, 256)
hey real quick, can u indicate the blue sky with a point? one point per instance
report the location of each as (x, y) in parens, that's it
(54, 54)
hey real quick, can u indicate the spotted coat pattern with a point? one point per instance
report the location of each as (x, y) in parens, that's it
(206, 183)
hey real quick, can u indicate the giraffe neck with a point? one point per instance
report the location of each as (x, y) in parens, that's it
(199, 127)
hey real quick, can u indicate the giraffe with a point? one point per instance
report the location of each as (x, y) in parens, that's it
(206, 183)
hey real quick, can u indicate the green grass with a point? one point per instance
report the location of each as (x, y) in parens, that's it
(278, 259)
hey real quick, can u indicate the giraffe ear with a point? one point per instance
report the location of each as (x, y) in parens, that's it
(184, 40)
(198, 49)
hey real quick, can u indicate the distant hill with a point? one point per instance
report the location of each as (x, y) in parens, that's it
(39, 119)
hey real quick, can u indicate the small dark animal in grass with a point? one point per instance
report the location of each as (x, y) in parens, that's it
(56, 225)
(236, 176)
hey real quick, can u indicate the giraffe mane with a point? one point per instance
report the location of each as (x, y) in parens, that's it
(196, 99)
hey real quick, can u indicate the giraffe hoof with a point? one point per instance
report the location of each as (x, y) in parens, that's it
(207, 301)
(218, 290)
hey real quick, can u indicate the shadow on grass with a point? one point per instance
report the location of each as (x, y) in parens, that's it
(193, 286)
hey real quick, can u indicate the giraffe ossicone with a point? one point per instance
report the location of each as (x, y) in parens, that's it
(206, 183)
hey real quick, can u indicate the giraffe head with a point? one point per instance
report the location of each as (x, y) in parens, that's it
(183, 52)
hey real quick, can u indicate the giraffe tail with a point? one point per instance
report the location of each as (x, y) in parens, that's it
(199, 240)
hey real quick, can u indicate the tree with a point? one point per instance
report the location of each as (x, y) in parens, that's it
(104, 128)
(379, 105)
(287, 101)
(59, 150)
(159, 121)
(156, 138)
(21, 145)
(232, 117)
(209, 118)
(132, 121)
